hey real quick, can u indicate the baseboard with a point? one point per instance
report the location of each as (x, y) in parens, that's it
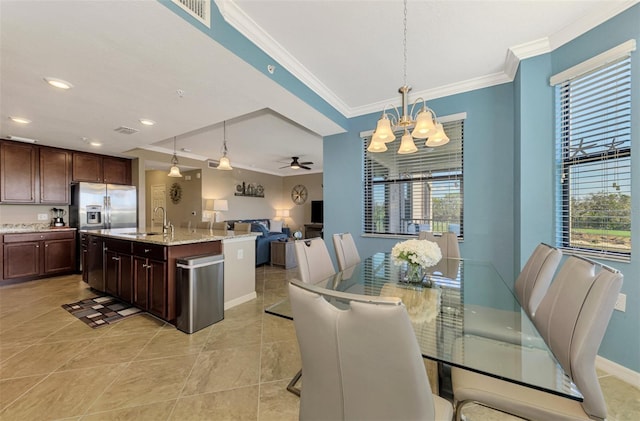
(623, 373)
(240, 300)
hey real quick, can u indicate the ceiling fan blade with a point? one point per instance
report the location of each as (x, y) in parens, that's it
(286, 166)
(304, 167)
(306, 163)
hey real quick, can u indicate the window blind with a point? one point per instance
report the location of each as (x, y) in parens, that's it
(423, 191)
(593, 144)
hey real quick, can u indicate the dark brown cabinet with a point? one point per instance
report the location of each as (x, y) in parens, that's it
(36, 255)
(150, 278)
(18, 174)
(55, 175)
(118, 269)
(101, 169)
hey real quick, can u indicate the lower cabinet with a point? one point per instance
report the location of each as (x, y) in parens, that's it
(118, 269)
(38, 255)
(150, 280)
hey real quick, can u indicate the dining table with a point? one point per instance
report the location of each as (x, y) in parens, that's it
(453, 313)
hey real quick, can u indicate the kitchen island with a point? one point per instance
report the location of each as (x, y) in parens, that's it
(139, 266)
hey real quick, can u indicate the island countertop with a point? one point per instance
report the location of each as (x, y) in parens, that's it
(180, 236)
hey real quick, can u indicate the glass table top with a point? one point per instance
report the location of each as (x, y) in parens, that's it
(463, 314)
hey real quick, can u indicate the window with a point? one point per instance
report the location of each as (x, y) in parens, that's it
(593, 147)
(405, 194)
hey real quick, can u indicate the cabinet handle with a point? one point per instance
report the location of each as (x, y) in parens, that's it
(146, 266)
(147, 250)
(115, 258)
(46, 245)
(37, 246)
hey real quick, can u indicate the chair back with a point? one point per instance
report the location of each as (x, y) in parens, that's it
(346, 251)
(573, 317)
(314, 262)
(242, 227)
(203, 225)
(536, 276)
(448, 243)
(219, 226)
(361, 363)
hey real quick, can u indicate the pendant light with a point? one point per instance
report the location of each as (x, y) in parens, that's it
(174, 171)
(424, 122)
(224, 163)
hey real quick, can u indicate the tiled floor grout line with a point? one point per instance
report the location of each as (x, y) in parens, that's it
(263, 280)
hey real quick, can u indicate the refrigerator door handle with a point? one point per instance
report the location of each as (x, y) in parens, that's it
(107, 212)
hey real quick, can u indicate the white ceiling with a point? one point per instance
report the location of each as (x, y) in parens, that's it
(137, 59)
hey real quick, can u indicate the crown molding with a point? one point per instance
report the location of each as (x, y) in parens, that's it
(237, 18)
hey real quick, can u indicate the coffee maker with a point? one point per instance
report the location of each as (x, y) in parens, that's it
(57, 215)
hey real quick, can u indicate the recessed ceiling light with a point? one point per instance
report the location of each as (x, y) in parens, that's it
(95, 143)
(147, 122)
(20, 120)
(58, 83)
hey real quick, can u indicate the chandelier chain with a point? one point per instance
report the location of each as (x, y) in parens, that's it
(404, 42)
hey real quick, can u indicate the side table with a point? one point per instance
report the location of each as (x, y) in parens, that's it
(283, 254)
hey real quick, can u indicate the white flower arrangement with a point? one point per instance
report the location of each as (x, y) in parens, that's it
(416, 252)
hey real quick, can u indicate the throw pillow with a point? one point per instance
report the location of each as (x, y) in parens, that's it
(255, 227)
(275, 226)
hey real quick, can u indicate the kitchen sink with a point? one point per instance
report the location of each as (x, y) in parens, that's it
(142, 234)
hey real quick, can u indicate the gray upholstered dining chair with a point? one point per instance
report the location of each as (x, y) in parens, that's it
(362, 362)
(572, 318)
(346, 251)
(448, 243)
(219, 226)
(203, 225)
(314, 262)
(530, 286)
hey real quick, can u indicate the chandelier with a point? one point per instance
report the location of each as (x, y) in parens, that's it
(174, 171)
(425, 125)
(224, 163)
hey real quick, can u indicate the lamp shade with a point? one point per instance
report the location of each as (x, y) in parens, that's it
(208, 205)
(383, 130)
(376, 146)
(424, 124)
(285, 213)
(406, 144)
(439, 138)
(174, 172)
(224, 164)
(220, 205)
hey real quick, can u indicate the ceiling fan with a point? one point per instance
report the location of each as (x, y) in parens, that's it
(297, 165)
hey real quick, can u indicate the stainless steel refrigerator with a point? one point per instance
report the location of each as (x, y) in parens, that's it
(97, 206)
(103, 206)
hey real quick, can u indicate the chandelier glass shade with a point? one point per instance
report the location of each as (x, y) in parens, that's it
(224, 163)
(174, 171)
(425, 125)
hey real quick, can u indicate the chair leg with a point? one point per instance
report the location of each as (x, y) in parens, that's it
(291, 386)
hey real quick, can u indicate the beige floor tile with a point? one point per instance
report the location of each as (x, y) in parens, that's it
(277, 403)
(276, 329)
(7, 352)
(274, 296)
(10, 389)
(36, 329)
(64, 394)
(224, 369)
(108, 350)
(74, 331)
(141, 324)
(41, 358)
(144, 382)
(237, 404)
(154, 411)
(234, 333)
(169, 342)
(280, 361)
(623, 400)
(248, 310)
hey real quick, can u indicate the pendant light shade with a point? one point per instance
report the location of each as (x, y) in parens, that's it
(406, 144)
(439, 138)
(174, 171)
(376, 146)
(383, 131)
(224, 163)
(424, 124)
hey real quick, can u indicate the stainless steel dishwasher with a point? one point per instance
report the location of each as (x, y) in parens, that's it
(200, 286)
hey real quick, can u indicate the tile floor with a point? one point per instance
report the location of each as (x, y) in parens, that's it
(53, 367)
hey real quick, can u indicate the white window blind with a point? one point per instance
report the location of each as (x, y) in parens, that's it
(593, 144)
(405, 194)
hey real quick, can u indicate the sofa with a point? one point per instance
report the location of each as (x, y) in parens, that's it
(267, 235)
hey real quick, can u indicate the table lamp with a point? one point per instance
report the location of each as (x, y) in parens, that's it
(219, 205)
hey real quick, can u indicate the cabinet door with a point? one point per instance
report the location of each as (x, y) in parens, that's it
(17, 173)
(59, 256)
(55, 176)
(21, 259)
(87, 167)
(125, 286)
(140, 282)
(111, 271)
(95, 265)
(157, 288)
(84, 259)
(116, 170)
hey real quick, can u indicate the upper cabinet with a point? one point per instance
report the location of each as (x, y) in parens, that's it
(55, 175)
(18, 172)
(101, 169)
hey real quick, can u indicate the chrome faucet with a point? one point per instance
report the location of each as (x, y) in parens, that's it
(166, 226)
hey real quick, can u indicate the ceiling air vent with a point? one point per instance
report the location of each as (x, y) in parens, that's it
(126, 130)
(212, 164)
(199, 9)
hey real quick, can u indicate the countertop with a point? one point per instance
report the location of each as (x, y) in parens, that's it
(180, 235)
(26, 228)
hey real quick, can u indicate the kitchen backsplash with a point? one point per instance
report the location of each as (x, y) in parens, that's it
(28, 214)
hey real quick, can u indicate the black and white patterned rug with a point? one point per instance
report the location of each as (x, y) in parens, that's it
(101, 311)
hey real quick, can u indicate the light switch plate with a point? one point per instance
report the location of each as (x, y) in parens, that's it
(621, 302)
(43, 217)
